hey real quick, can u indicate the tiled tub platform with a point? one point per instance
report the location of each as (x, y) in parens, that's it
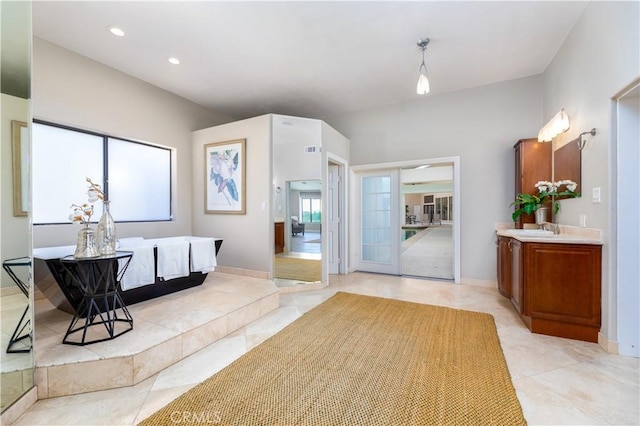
(165, 330)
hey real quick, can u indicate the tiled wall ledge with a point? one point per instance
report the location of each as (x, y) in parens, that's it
(165, 336)
(18, 408)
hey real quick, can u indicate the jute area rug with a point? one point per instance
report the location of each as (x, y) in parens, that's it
(297, 269)
(361, 360)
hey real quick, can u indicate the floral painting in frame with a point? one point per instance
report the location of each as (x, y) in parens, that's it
(224, 190)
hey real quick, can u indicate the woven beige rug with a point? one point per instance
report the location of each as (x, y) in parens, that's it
(361, 360)
(297, 269)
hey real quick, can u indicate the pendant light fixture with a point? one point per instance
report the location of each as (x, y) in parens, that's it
(423, 80)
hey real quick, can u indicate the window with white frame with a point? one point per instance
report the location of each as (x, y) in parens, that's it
(135, 176)
(311, 207)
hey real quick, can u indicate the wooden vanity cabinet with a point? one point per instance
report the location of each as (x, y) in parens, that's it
(504, 265)
(533, 164)
(517, 284)
(279, 237)
(556, 288)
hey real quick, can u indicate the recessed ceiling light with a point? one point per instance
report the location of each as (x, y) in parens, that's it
(116, 31)
(174, 61)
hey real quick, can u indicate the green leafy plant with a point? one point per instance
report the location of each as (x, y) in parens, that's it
(547, 193)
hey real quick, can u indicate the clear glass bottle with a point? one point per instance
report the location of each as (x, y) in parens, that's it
(106, 232)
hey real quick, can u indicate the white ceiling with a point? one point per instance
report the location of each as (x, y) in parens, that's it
(311, 59)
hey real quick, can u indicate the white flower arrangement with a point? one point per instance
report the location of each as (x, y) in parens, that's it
(95, 192)
(82, 213)
(551, 188)
(547, 192)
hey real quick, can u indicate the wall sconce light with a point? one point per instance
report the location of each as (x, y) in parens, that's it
(558, 124)
(423, 81)
(582, 142)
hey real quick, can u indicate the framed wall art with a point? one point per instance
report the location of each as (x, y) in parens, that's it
(225, 172)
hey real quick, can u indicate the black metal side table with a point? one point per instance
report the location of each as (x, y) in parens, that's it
(104, 313)
(23, 329)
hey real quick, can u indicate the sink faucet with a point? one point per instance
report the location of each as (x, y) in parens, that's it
(548, 226)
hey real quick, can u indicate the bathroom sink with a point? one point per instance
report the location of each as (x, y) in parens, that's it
(536, 233)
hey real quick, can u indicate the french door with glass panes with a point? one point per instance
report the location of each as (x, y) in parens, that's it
(379, 222)
(444, 208)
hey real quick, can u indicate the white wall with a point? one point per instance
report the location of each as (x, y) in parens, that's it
(290, 161)
(16, 238)
(73, 90)
(598, 59)
(248, 238)
(480, 125)
(335, 143)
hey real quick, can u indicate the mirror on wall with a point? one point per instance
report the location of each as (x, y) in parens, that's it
(301, 259)
(567, 164)
(297, 201)
(16, 296)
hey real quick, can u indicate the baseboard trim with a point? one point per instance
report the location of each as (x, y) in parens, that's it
(243, 272)
(608, 345)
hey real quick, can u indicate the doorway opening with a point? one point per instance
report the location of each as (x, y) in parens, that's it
(427, 233)
(408, 221)
(625, 227)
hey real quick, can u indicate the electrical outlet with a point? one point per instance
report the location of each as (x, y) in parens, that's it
(583, 220)
(595, 195)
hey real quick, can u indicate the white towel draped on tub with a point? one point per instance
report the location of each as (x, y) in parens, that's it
(203, 254)
(129, 242)
(173, 258)
(141, 270)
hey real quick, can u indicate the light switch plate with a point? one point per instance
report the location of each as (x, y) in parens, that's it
(595, 195)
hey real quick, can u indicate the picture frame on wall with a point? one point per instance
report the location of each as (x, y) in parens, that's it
(225, 175)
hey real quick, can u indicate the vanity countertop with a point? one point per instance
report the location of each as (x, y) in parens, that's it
(567, 235)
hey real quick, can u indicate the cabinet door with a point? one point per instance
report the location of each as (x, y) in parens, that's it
(517, 284)
(504, 266)
(279, 237)
(564, 283)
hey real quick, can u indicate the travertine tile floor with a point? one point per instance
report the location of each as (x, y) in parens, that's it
(429, 253)
(558, 381)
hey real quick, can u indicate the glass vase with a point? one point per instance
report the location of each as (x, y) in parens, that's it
(106, 232)
(86, 243)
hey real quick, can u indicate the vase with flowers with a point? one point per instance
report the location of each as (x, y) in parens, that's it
(548, 193)
(86, 242)
(106, 230)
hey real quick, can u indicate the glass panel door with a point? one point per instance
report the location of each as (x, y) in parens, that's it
(379, 248)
